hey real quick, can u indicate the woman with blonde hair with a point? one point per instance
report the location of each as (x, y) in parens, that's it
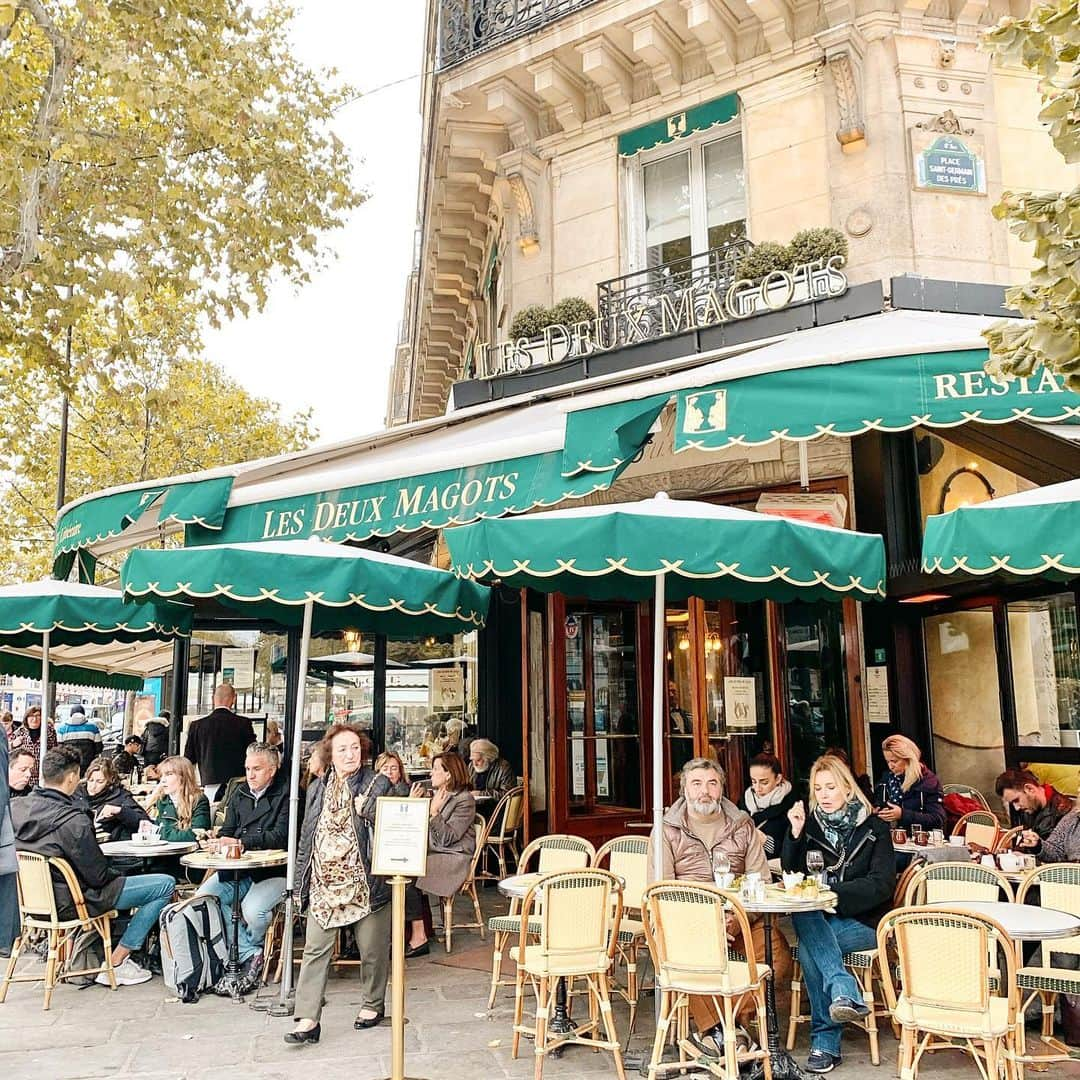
(909, 793)
(179, 803)
(859, 866)
(393, 768)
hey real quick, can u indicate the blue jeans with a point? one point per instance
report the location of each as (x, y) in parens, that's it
(257, 902)
(149, 893)
(823, 940)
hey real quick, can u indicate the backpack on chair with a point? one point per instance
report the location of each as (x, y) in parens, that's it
(194, 951)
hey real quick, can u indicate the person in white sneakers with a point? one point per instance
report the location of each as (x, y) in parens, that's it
(49, 822)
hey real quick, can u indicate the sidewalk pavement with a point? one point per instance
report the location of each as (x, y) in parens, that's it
(140, 1033)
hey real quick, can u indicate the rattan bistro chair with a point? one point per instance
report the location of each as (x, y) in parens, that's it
(1059, 887)
(468, 890)
(951, 882)
(37, 906)
(560, 851)
(627, 857)
(686, 928)
(950, 999)
(503, 830)
(578, 933)
(979, 827)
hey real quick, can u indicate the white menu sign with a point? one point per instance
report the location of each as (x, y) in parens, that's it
(401, 837)
(740, 702)
(877, 694)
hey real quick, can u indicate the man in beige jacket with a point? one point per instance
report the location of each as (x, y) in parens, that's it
(700, 823)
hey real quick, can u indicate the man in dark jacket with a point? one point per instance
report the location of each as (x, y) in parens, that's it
(258, 816)
(216, 744)
(155, 740)
(50, 823)
(1034, 807)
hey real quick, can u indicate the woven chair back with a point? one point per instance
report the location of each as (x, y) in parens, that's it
(686, 927)
(576, 917)
(36, 896)
(627, 857)
(943, 960)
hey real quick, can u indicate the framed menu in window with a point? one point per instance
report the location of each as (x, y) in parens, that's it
(401, 837)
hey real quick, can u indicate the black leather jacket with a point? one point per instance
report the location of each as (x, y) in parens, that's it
(364, 780)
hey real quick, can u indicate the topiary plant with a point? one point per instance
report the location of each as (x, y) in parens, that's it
(809, 245)
(530, 322)
(763, 259)
(572, 310)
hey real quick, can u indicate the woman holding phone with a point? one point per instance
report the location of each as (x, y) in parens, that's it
(451, 839)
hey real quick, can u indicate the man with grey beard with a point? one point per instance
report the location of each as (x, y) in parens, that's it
(699, 824)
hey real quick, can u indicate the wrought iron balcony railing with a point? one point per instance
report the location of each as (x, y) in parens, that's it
(632, 306)
(467, 27)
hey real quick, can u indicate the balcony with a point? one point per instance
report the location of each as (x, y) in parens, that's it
(468, 27)
(640, 305)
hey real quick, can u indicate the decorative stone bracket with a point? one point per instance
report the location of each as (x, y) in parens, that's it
(522, 170)
(851, 132)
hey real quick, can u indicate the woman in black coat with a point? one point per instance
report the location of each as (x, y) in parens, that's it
(108, 802)
(767, 800)
(909, 794)
(861, 869)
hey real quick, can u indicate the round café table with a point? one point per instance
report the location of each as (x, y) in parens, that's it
(147, 850)
(777, 903)
(250, 860)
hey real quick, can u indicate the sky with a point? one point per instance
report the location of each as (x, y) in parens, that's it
(329, 346)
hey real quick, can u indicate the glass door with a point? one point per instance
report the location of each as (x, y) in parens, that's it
(603, 724)
(680, 716)
(813, 640)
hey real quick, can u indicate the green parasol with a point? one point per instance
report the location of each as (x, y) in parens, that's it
(661, 547)
(49, 613)
(1032, 533)
(321, 586)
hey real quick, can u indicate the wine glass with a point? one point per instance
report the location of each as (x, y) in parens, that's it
(815, 864)
(721, 867)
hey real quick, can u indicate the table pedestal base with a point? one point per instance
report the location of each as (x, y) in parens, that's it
(560, 1023)
(783, 1064)
(233, 984)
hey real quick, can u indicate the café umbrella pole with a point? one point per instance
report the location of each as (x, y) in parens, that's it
(43, 736)
(659, 679)
(294, 813)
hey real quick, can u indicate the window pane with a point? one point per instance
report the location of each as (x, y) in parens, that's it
(725, 191)
(738, 651)
(618, 772)
(817, 689)
(965, 707)
(1045, 654)
(667, 209)
(614, 673)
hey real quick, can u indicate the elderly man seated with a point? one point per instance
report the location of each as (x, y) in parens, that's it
(258, 816)
(700, 824)
(489, 774)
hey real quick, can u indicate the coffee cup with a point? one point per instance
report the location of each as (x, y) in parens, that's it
(988, 860)
(1010, 862)
(956, 841)
(919, 837)
(899, 837)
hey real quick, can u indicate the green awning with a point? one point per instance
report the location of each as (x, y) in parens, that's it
(67, 674)
(604, 439)
(426, 500)
(192, 502)
(1030, 534)
(678, 126)
(891, 393)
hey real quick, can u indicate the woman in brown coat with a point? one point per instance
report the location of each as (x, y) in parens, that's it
(451, 837)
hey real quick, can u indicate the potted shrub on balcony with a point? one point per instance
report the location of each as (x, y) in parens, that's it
(530, 330)
(810, 245)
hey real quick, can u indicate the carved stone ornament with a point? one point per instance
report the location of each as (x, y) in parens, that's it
(851, 133)
(948, 123)
(528, 238)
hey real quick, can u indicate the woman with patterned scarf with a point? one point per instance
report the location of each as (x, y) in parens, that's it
(860, 868)
(333, 868)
